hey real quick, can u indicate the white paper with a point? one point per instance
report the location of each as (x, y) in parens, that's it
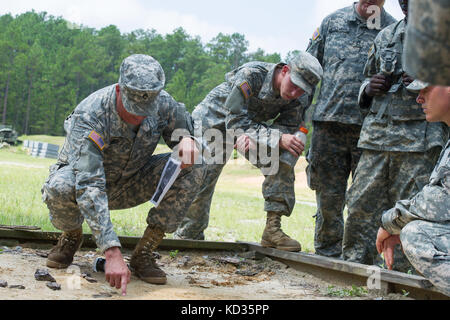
(168, 177)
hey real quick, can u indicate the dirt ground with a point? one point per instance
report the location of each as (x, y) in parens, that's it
(191, 276)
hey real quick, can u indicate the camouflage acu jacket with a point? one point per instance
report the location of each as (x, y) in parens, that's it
(341, 45)
(431, 204)
(104, 151)
(395, 122)
(247, 101)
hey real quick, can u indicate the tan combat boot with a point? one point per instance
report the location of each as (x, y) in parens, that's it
(61, 256)
(274, 237)
(142, 261)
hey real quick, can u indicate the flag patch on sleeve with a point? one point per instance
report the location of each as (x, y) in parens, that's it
(246, 90)
(316, 34)
(97, 139)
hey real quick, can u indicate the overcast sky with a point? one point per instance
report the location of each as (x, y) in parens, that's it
(275, 26)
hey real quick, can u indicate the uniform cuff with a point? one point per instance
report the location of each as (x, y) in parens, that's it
(388, 222)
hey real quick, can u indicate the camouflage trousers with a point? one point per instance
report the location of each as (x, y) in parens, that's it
(59, 193)
(277, 189)
(427, 247)
(382, 179)
(332, 157)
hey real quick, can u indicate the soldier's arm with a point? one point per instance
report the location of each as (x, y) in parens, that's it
(370, 69)
(430, 204)
(238, 119)
(316, 46)
(90, 182)
(179, 122)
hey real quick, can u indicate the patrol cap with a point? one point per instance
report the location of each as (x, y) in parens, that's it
(306, 72)
(141, 80)
(417, 85)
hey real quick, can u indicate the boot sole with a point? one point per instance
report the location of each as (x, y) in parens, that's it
(267, 244)
(56, 265)
(153, 280)
(156, 281)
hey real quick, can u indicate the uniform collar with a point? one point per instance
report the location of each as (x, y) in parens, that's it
(267, 91)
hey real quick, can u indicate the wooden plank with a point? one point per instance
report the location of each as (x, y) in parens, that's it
(127, 242)
(347, 267)
(26, 228)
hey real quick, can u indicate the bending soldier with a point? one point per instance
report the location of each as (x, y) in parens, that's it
(254, 94)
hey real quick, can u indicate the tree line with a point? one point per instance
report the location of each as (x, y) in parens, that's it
(48, 65)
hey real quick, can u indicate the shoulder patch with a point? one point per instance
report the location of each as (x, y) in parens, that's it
(246, 90)
(97, 139)
(316, 34)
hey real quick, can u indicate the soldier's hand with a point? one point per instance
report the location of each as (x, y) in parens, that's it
(188, 152)
(407, 80)
(244, 144)
(388, 250)
(116, 270)
(379, 85)
(386, 244)
(292, 144)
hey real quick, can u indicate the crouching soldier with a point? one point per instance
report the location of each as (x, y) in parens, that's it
(107, 163)
(422, 224)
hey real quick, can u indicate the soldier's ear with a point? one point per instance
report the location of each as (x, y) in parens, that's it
(285, 70)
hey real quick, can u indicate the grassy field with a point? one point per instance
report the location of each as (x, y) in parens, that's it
(237, 212)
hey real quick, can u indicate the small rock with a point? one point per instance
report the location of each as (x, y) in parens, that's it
(101, 295)
(156, 255)
(229, 260)
(43, 275)
(18, 249)
(184, 261)
(88, 278)
(17, 286)
(252, 255)
(54, 286)
(247, 273)
(3, 284)
(89, 255)
(41, 254)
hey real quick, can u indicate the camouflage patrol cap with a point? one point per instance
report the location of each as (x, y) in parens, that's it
(417, 85)
(306, 72)
(141, 80)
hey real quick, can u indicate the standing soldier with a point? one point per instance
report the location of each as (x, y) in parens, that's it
(400, 147)
(254, 94)
(422, 224)
(341, 45)
(107, 164)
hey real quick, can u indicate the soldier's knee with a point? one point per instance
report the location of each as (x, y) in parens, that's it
(59, 188)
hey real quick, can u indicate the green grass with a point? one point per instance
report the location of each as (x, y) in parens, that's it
(237, 211)
(354, 291)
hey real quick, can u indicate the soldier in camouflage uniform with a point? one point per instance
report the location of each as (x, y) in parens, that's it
(252, 95)
(427, 49)
(107, 163)
(341, 45)
(400, 148)
(422, 224)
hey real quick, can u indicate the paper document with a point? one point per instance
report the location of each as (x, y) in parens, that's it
(168, 177)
